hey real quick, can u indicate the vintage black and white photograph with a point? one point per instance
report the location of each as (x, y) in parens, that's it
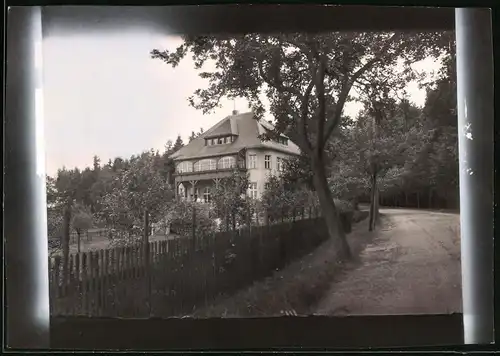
(242, 175)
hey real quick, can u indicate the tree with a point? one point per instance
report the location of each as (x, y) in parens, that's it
(282, 196)
(97, 163)
(118, 164)
(51, 190)
(440, 113)
(178, 144)
(67, 188)
(180, 215)
(230, 199)
(195, 135)
(100, 187)
(81, 221)
(384, 139)
(307, 79)
(134, 192)
(169, 147)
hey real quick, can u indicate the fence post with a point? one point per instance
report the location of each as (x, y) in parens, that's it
(302, 212)
(113, 282)
(194, 228)
(78, 284)
(93, 279)
(85, 288)
(69, 288)
(146, 256)
(249, 219)
(106, 282)
(57, 276)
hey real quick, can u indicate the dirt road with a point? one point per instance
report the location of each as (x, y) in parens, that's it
(411, 267)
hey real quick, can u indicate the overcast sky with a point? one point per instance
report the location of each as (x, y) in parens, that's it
(105, 96)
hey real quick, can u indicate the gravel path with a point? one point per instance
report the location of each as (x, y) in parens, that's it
(411, 267)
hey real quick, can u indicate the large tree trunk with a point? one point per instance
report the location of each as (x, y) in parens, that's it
(330, 212)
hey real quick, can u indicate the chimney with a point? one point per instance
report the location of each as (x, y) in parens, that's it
(235, 112)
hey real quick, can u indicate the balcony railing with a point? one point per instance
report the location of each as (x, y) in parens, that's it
(216, 170)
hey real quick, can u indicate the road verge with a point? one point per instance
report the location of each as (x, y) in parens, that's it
(296, 289)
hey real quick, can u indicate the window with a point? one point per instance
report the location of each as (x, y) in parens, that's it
(267, 186)
(184, 167)
(252, 187)
(205, 165)
(206, 195)
(252, 161)
(267, 162)
(227, 162)
(279, 164)
(282, 140)
(220, 140)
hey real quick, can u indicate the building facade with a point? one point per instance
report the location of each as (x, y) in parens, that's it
(233, 143)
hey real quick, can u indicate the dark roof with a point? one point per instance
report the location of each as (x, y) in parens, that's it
(223, 128)
(245, 127)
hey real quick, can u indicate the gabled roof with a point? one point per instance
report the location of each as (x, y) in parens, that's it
(246, 127)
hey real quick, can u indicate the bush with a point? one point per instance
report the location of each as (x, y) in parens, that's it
(344, 206)
(180, 218)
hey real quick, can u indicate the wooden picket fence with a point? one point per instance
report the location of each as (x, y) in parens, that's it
(180, 274)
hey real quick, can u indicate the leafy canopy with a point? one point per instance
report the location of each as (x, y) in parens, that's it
(307, 78)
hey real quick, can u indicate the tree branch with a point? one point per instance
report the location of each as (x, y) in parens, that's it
(333, 121)
(278, 85)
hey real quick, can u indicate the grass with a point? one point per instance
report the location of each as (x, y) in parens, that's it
(296, 289)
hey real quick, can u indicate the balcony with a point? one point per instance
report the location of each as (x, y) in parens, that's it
(207, 174)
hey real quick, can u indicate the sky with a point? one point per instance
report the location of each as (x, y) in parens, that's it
(104, 95)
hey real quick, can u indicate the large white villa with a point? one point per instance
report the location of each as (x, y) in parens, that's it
(232, 143)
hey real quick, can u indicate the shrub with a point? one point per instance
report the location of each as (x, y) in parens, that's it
(180, 218)
(344, 206)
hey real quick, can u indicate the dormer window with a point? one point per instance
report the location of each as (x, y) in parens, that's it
(282, 140)
(219, 140)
